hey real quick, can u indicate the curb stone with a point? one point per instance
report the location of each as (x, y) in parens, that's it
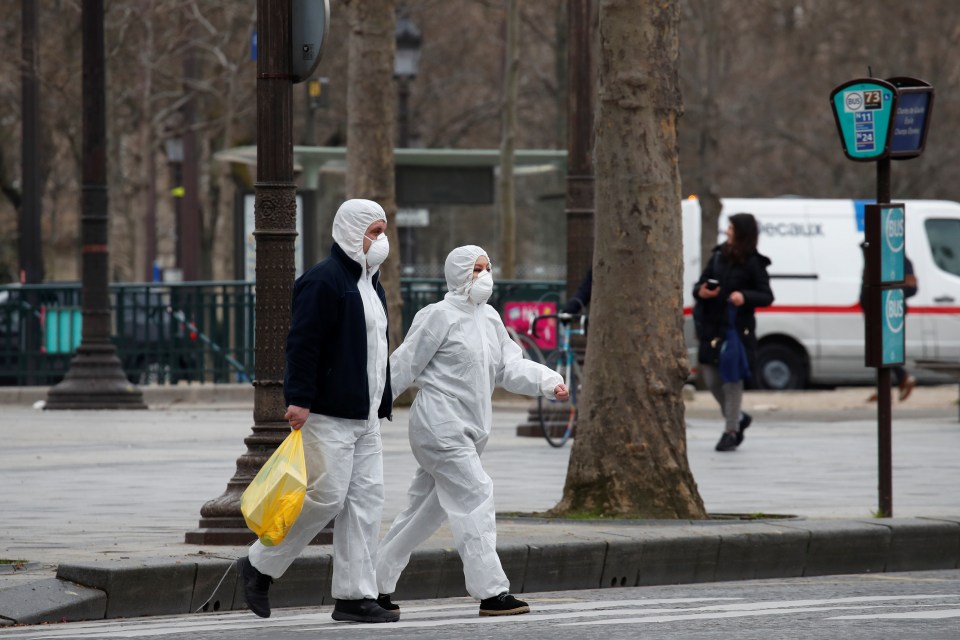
(640, 556)
(50, 600)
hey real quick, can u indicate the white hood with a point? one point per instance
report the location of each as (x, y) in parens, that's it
(458, 268)
(351, 222)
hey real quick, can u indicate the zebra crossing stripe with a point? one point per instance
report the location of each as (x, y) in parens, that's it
(935, 614)
(563, 613)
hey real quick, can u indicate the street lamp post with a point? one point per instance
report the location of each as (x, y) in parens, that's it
(580, 182)
(275, 212)
(29, 244)
(95, 379)
(405, 64)
(174, 150)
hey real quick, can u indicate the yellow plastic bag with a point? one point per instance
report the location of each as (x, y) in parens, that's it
(272, 502)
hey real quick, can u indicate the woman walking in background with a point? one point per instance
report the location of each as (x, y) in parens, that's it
(736, 274)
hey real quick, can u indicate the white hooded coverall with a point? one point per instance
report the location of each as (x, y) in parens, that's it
(456, 352)
(344, 458)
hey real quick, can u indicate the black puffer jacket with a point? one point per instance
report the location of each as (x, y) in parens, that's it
(750, 279)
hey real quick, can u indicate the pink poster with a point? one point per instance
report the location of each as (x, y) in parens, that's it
(518, 314)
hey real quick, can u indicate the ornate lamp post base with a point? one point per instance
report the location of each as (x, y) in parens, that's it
(221, 522)
(95, 380)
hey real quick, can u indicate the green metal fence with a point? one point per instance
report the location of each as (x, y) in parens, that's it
(168, 333)
(198, 331)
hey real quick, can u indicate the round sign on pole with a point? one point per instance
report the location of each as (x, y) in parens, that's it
(309, 26)
(894, 310)
(863, 110)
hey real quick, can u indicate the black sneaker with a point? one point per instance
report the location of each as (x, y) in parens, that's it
(384, 601)
(745, 420)
(365, 610)
(255, 587)
(503, 605)
(728, 442)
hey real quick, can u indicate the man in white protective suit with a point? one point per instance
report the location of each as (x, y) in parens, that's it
(457, 351)
(337, 388)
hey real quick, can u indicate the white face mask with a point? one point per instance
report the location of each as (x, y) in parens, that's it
(481, 288)
(378, 251)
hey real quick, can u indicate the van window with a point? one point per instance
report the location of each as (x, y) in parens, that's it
(944, 237)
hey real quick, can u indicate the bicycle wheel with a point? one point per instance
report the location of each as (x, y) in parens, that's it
(554, 415)
(530, 349)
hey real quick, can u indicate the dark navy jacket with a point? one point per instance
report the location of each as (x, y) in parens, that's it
(327, 344)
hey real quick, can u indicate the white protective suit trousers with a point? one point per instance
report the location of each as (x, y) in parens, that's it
(450, 483)
(344, 461)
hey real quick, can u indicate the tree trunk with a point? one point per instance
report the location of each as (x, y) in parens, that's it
(630, 457)
(370, 130)
(508, 212)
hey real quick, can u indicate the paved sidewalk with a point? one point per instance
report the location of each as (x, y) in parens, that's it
(98, 494)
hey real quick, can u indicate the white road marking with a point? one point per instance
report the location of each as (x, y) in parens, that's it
(566, 612)
(935, 614)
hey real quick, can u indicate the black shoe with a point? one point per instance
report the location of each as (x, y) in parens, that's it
(384, 601)
(728, 442)
(745, 420)
(366, 610)
(255, 587)
(503, 605)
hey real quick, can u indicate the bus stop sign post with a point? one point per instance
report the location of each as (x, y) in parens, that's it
(878, 120)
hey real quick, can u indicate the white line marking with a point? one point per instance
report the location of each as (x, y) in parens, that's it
(155, 626)
(719, 615)
(908, 615)
(640, 611)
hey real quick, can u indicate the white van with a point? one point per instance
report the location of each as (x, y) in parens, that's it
(813, 333)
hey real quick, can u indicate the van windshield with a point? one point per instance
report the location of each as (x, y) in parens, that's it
(944, 238)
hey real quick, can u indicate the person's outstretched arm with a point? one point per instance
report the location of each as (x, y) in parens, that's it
(519, 375)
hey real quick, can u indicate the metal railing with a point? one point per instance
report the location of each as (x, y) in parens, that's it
(168, 333)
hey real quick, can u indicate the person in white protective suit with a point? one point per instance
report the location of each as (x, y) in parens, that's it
(457, 351)
(337, 388)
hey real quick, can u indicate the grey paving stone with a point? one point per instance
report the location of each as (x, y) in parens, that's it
(921, 544)
(838, 547)
(513, 559)
(451, 581)
(137, 588)
(752, 551)
(621, 565)
(421, 577)
(572, 565)
(50, 600)
(681, 557)
(215, 586)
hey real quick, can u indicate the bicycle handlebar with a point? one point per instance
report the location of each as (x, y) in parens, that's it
(564, 318)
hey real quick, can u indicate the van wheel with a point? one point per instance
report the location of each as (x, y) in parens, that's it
(779, 368)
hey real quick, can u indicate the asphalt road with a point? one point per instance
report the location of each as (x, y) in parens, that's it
(903, 606)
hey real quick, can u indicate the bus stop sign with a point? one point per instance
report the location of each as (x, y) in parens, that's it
(886, 305)
(863, 110)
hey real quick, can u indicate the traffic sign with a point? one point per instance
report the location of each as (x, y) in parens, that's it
(863, 110)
